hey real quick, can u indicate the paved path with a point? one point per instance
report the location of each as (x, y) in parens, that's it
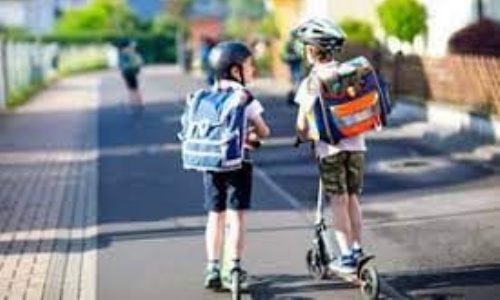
(48, 164)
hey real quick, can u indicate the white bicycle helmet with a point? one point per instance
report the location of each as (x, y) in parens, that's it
(321, 33)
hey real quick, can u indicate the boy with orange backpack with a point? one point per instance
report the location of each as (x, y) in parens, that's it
(336, 119)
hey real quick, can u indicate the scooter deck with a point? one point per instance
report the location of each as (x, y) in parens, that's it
(354, 278)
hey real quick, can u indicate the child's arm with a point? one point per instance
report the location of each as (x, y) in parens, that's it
(305, 105)
(302, 126)
(259, 128)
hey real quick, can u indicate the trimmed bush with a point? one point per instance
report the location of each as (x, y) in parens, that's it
(359, 32)
(403, 19)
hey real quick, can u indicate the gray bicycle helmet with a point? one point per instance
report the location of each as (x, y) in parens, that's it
(226, 55)
(321, 33)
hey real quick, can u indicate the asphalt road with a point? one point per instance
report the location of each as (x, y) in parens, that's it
(432, 221)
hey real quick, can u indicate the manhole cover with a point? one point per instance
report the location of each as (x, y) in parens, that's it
(409, 164)
(412, 165)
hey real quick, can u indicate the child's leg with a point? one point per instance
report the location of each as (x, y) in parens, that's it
(239, 194)
(214, 235)
(237, 225)
(136, 97)
(356, 218)
(341, 222)
(355, 173)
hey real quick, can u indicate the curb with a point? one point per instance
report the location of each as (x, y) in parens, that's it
(452, 120)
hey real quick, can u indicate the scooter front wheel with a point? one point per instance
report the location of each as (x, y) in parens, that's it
(315, 264)
(236, 285)
(369, 280)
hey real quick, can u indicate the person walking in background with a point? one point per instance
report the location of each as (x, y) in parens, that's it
(293, 59)
(130, 63)
(207, 43)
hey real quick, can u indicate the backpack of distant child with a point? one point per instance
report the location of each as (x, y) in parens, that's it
(352, 100)
(213, 129)
(130, 61)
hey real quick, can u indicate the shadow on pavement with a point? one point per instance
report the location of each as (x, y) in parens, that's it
(455, 283)
(278, 286)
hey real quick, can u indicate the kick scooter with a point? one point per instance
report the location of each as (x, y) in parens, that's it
(320, 255)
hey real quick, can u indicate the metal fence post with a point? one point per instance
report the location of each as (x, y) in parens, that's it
(3, 75)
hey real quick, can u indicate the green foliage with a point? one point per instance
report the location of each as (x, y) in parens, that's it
(13, 32)
(248, 17)
(246, 9)
(236, 28)
(268, 26)
(264, 64)
(178, 7)
(167, 24)
(359, 32)
(243, 17)
(21, 96)
(403, 19)
(99, 17)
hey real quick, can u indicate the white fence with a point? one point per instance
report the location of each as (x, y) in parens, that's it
(23, 64)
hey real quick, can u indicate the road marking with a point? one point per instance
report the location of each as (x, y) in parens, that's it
(279, 190)
(302, 210)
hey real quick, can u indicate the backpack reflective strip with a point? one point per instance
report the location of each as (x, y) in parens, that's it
(200, 153)
(361, 127)
(358, 117)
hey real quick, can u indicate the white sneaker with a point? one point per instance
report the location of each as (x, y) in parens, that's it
(343, 265)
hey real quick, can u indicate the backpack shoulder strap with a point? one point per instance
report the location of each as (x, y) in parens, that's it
(246, 97)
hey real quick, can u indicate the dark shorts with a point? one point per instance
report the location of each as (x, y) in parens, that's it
(343, 173)
(231, 190)
(130, 78)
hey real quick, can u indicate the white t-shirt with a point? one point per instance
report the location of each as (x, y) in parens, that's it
(305, 97)
(254, 109)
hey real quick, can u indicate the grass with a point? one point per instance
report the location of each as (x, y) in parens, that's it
(23, 95)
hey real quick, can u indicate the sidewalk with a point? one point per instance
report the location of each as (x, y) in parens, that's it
(48, 194)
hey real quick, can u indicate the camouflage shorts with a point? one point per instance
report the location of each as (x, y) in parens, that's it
(343, 172)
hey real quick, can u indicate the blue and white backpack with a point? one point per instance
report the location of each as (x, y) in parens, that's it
(213, 130)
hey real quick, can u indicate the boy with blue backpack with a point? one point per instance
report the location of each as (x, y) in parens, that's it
(340, 149)
(220, 126)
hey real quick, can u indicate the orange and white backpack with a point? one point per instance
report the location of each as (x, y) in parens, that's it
(352, 100)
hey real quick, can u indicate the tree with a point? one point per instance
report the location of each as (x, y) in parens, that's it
(99, 17)
(403, 19)
(359, 32)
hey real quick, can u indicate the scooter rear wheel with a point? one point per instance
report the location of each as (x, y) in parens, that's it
(315, 264)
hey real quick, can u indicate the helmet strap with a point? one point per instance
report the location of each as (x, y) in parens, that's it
(241, 78)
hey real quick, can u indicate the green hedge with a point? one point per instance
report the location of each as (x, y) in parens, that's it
(155, 48)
